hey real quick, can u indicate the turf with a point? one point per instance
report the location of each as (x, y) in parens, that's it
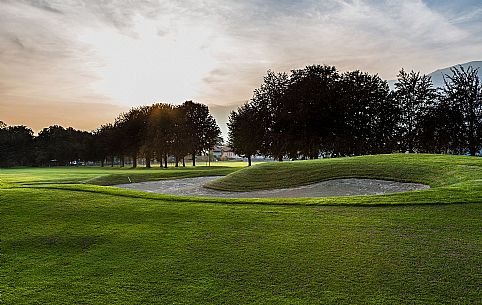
(108, 175)
(67, 247)
(64, 240)
(434, 170)
(453, 179)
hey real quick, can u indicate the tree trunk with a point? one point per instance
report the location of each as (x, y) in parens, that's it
(472, 145)
(249, 160)
(280, 158)
(472, 149)
(112, 161)
(134, 160)
(165, 161)
(177, 161)
(102, 162)
(148, 161)
(471, 129)
(122, 161)
(183, 162)
(193, 159)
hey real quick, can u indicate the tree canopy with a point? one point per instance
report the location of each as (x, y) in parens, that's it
(148, 132)
(307, 113)
(318, 111)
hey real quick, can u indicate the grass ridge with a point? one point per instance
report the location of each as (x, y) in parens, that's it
(453, 179)
(433, 170)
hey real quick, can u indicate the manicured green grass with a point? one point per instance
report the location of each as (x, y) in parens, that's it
(66, 241)
(63, 247)
(434, 170)
(453, 179)
(107, 175)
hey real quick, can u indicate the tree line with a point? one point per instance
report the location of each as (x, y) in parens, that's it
(318, 111)
(155, 132)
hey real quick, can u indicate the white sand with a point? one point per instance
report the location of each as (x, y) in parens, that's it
(338, 187)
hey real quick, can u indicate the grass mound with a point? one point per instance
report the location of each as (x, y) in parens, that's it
(433, 170)
(454, 179)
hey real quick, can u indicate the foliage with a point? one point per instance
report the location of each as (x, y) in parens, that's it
(16, 144)
(415, 95)
(369, 115)
(156, 131)
(200, 129)
(105, 143)
(463, 89)
(57, 145)
(132, 125)
(318, 111)
(311, 112)
(245, 131)
(160, 131)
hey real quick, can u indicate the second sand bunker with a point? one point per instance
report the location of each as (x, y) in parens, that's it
(338, 187)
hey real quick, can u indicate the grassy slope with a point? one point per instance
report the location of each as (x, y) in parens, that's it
(434, 170)
(454, 179)
(64, 247)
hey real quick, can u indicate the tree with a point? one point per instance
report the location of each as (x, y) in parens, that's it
(160, 130)
(463, 90)
(245, 131)
(308, 111)
(316, 109)
(61, 145)
(201, 131)
(104, 144)
(132, 127)
(368, 115)
(16, 145)
(415, 95)
(267, 102)
(179, 146)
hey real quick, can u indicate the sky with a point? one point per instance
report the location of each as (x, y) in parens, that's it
(81, 63)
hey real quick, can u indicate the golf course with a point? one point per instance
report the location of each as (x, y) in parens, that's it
(68, 235)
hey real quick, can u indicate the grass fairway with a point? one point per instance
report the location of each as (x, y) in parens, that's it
(108, 175)
(83, 244)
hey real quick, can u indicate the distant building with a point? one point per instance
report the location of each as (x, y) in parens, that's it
(228, 153)
(221, 152)
(217, 152)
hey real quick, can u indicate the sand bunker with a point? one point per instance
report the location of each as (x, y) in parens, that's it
(338, 187)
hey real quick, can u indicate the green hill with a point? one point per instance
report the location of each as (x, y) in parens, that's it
(434, 170)
(453, 179)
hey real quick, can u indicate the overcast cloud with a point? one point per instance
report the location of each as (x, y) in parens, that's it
(111, 55)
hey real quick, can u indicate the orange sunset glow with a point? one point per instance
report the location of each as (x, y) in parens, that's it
(80, 63)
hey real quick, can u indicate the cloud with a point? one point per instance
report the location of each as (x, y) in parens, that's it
(38, 114)
(137, 52)
(45, 5)
(378, 37)
(221, 115)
